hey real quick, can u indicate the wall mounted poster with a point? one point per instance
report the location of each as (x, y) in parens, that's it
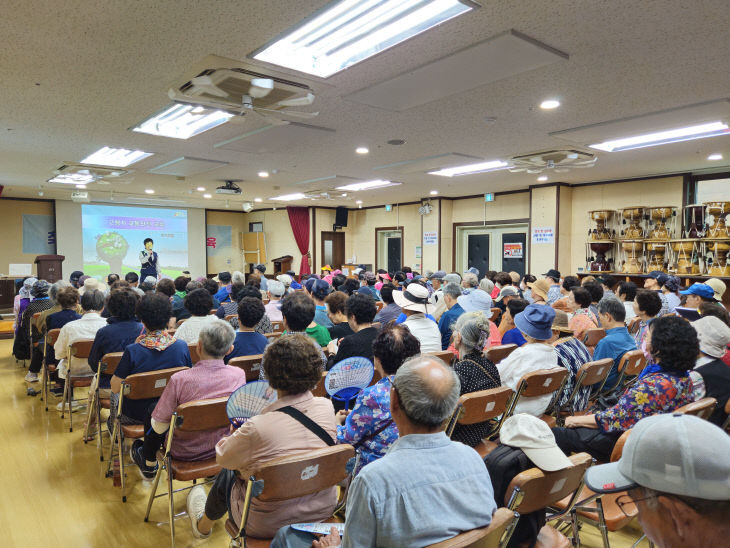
(543, 235)
(513, 250)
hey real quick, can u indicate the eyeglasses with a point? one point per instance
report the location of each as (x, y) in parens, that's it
(627, 504)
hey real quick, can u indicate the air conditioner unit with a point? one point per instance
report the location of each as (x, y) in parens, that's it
(80, 197)
(236, 82)
(73, 174)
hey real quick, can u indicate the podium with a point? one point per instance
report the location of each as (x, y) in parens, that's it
(49, 267)
(282, 264)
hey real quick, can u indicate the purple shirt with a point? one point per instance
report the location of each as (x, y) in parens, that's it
(205, 380)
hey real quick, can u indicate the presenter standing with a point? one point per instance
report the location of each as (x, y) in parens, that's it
(148, 258)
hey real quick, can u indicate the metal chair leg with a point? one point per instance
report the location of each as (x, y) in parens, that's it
(171, 498)
(70, 385)
(155, 483)
(576, 528)
(122, 473)
(112, 442)
(63, 407)
(602, 523)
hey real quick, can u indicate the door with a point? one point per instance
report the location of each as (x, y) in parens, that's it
(477, 254)
(394, 254)
(333, 249)
(513, 252)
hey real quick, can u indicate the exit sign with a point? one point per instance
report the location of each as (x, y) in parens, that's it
(489, 197)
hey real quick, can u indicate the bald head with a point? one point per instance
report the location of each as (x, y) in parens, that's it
(428, 390)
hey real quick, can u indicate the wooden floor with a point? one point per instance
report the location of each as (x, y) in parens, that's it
(55, 493)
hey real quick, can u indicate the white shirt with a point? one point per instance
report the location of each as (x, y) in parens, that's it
(524, 360)
(83, 328)
(426, 331)
(190, 328)
(273, 310)
(630, 314)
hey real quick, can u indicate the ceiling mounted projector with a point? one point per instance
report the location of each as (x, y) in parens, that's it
(229, 188)
(247, 206)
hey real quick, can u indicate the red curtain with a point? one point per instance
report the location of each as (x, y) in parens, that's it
(299, 219)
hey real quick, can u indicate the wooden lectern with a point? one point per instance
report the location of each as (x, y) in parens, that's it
(49, 267)
(282, 264)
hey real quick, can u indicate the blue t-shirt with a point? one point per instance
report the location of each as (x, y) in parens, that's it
(114, 337)
(446, 323)
(614, 345)
(321, 318)
(223, 294)
(139, 359)
(513, 336)
(247, 343)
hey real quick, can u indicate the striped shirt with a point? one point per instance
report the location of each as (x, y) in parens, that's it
(572, 354)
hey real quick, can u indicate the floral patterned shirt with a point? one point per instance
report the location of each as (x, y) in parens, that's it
(369, 425)
(654, 394)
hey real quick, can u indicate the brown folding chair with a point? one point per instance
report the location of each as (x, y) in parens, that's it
(702, 408)
(194, 416)
(496, 354)
(212, 311)
(230, 317)
(180, 322)
(379, 305)
(277, 327)
(726, 424)
(250, 364)
(140, 386)
(444, 355)
(482, 406)
(484, 537)
(193, 349)
(273, 336)
(496, 313)
(107, 366)
(630, 365)
(594, 335)
(589, 374)
(79, 349)
(634, 324)
(291, 477)
(540, 383)
(51, 338)
(319, 390)
(534, 490)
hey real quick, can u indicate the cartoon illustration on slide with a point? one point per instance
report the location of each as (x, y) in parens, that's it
(112, 247)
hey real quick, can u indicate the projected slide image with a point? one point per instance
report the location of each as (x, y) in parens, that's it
(113, 236)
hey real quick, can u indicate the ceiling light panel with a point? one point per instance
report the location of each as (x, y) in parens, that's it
(182, 121)
(481, 167)
(678, 135)
(496, 58)
(288, 197)
(367, 185)
(184, 167)
(349, 31)
(115, 157)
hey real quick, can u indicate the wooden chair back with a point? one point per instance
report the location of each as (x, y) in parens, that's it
(496, 312)
(591, 373)
(534, 489)
(379, 305)
(319, 390)
(543, 381)
(594, 335)
(193, 349)
(618, 449)
(201, 415)
(299, 475)
(278, 327)
(632, 363)
(151, 384)
(496, 354)
(109, 362)
(444, 355)
(250, 364)
(483, 405)
(179, 323)
(273, 336)
(230, 317)
(81, 348)
(634, 324)
(212, 311)
(702, 408)
(484, 537)
(52, 336)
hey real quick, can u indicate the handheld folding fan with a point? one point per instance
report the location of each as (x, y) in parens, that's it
(348, 377)
(248, 401)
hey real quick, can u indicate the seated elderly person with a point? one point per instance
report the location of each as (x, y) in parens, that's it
(369, 426)
(298, 311)
(360, 310)
(208, 378)
(535, 323)
(154, 350)
(711, 376)
(583, 318)
(450, 294)
(681, 494)
(293, 367)
(26, 335)
(626, 293)
(427, 488)
(512, 335)
(199, 303)
(390, 311)
(230, 305)
(240, 292)
(697, 294)
(674, 346)
(275, 292)
(413, 301)
(248, 342)
(572, 354)
(335, 303)
(618, 341)
(85, 327)
(475, 371)
(480, 301)
(647, 306)
(569, 282)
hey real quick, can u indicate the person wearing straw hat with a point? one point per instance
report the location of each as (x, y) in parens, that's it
(681, 490)
(572, 354)
(711, 376)
(535, 323)
(539, 290)
(413, 301)
(718, 286)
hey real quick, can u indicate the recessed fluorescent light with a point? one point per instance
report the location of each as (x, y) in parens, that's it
(258, 200)
(549, 104)
(288, 197)
(149, 191)
(349, 31)
(481, 167)
(263, 174)
(542, 178)
(434, 193)
(366, 185)
(182, 121)
(362, 150)
(80, 186)
(716, 156)
(711, 129)
(207, 196)
(115, 157)
(200, 189)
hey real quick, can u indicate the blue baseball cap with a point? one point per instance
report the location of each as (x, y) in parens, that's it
(701, 290)
(659, 276)
(536, 321)
(320, 289)
(472, 270)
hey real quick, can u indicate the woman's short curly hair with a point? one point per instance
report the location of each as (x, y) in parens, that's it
(68, 297)
(674, 343)
(199, 302)
(335, 302)
(154, 311)
(293, 363)
(166, 287)
(362, 307)
(122, 304)
(648, 302)
(394, 345)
